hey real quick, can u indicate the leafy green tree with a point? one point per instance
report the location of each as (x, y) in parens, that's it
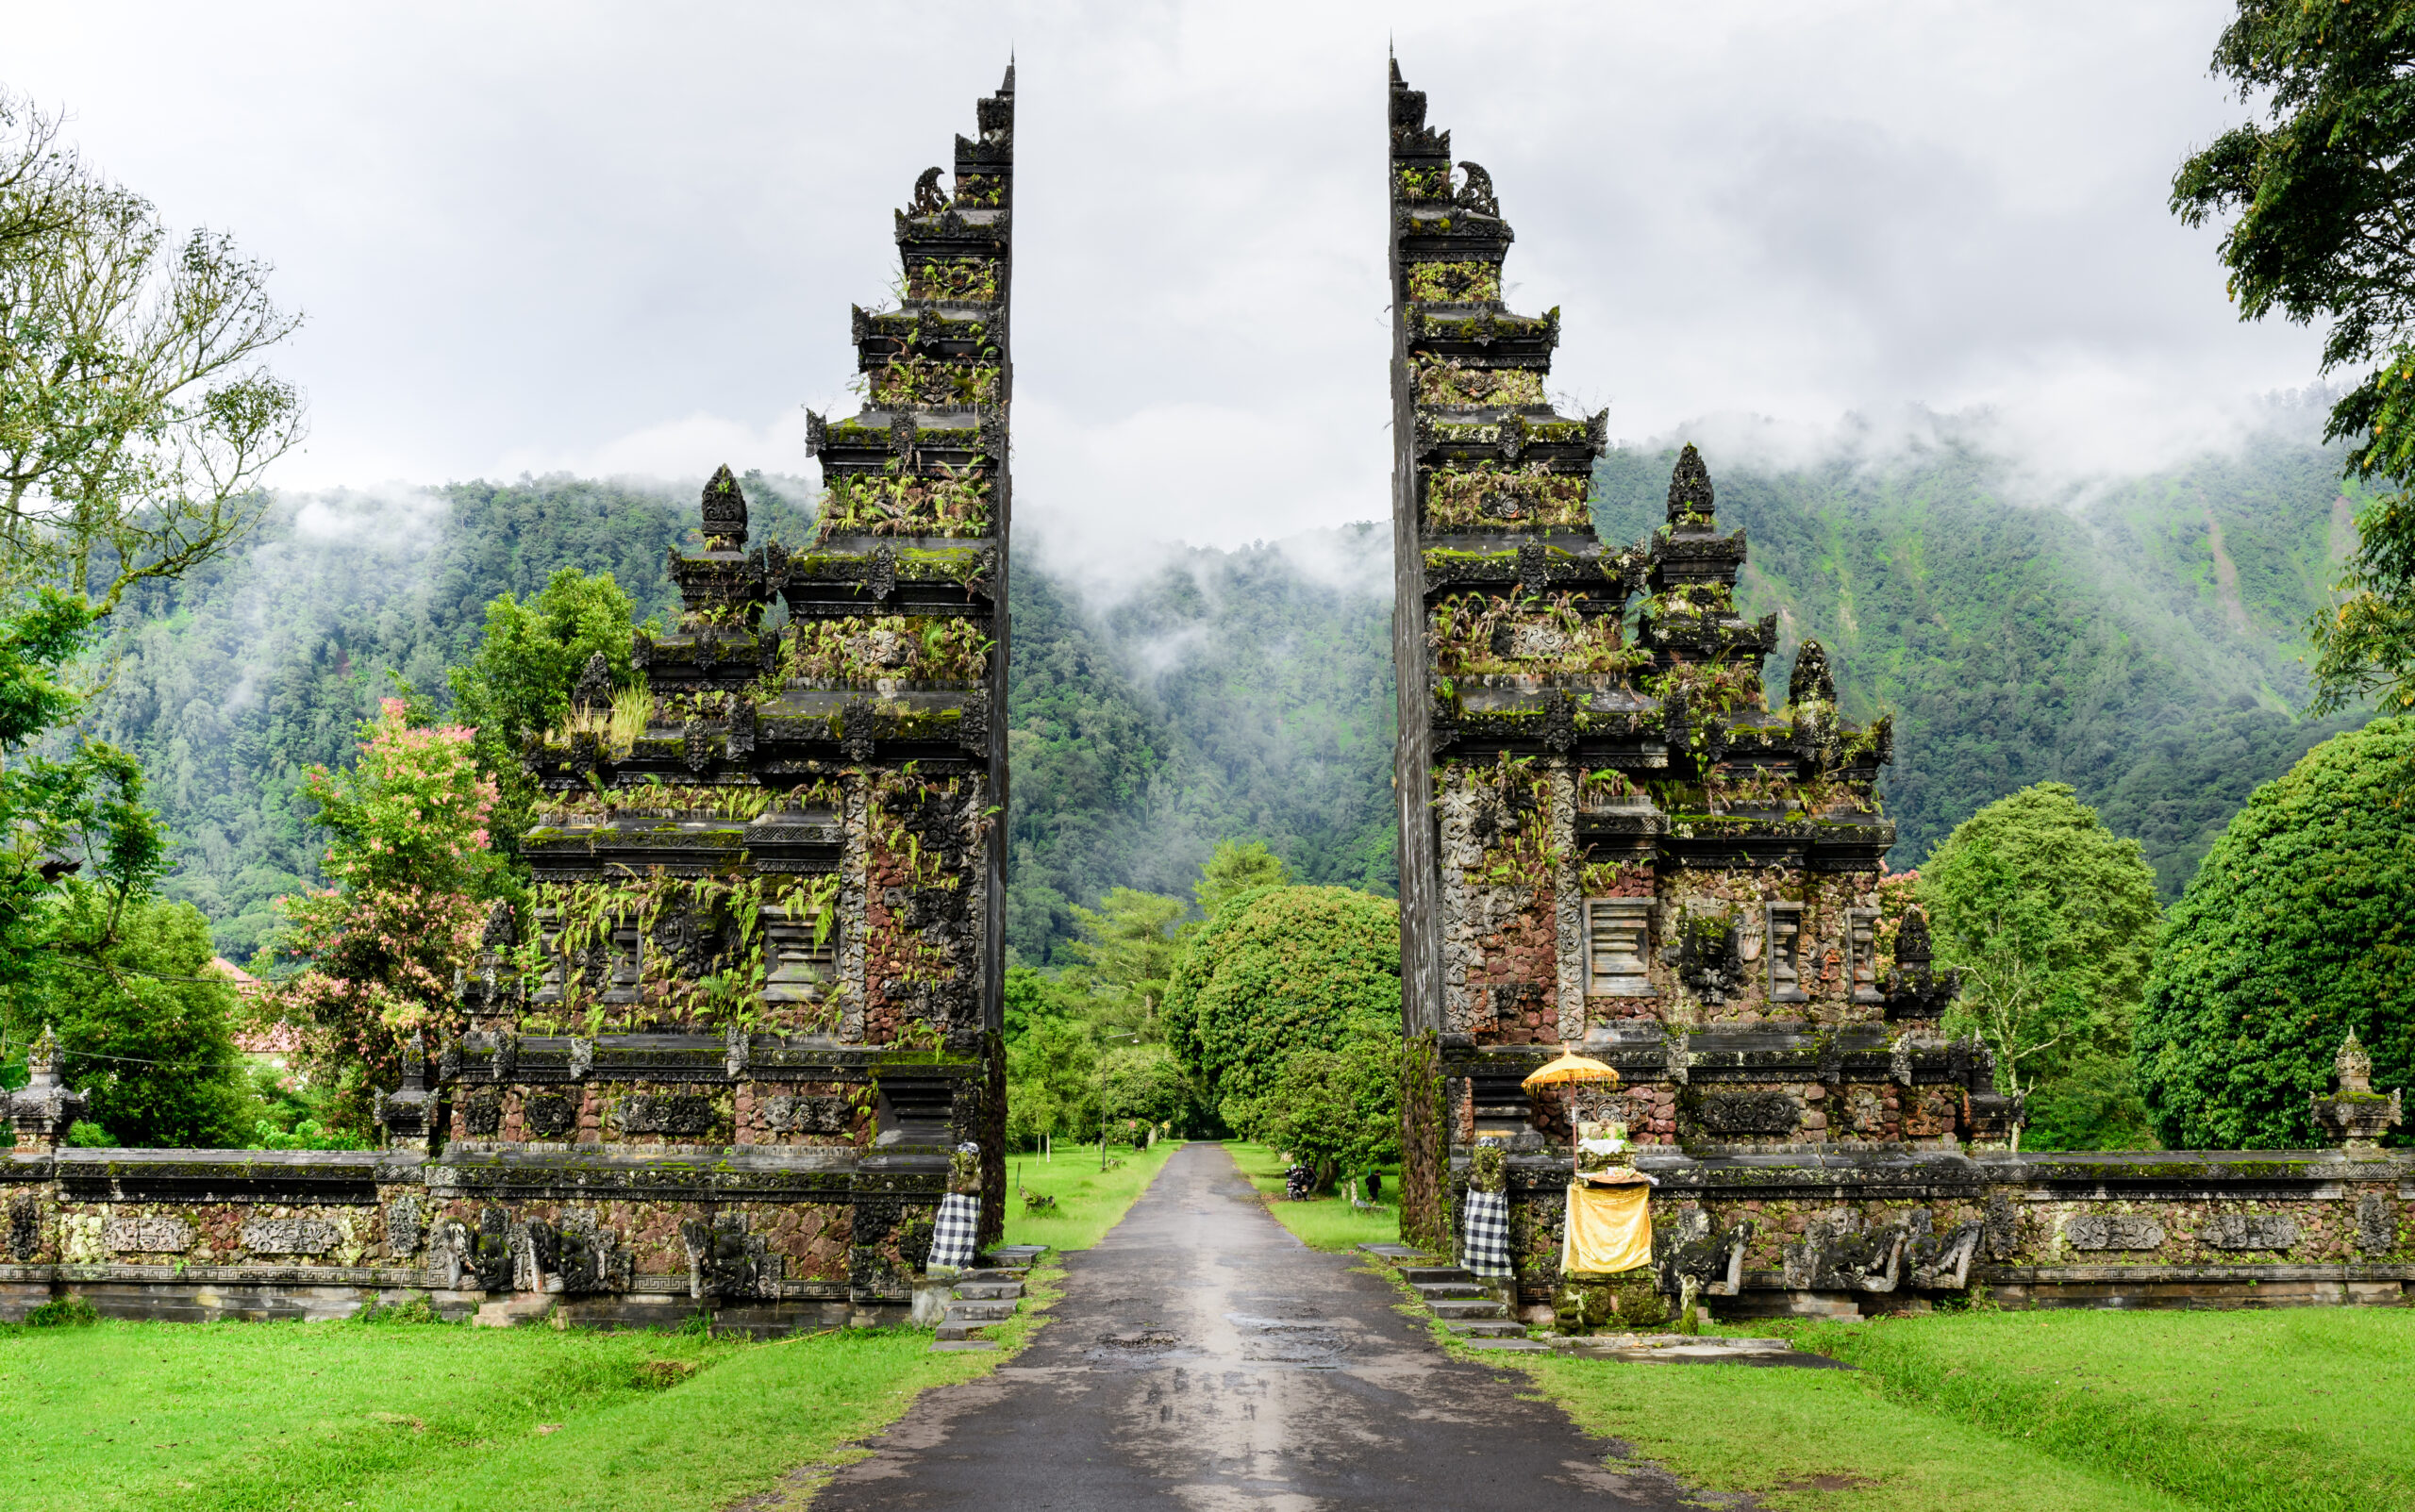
(2324, 202)
(407, 853)
(1143, 1082)
(2051, 918)
(2093, 1103)
(69, 804)
(1235, 868)
(137, 417)
(1052, 1083)
(1277, 971)
(1335, 1111)
(520, 678)
(1122, 961)
(2299, 928)
(145, 1028)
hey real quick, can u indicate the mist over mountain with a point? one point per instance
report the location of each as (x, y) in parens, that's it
(2136, 641)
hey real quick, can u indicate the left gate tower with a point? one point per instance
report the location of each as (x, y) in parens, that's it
(753, 1004)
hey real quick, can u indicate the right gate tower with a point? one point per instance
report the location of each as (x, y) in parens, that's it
(1612, 839)
(1609, 839)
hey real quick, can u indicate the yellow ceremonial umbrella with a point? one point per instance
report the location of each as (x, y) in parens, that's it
(1571, 1068)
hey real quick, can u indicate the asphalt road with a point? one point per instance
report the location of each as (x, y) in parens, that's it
(1202, 1358)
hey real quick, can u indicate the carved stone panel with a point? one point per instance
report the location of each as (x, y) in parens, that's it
(147, 1236)
(482, 1114)
(548, 1115)
(1756, 1113)
(2249, 1231)
(290, 1236)
(404, 1225)
(2112, 1231)
(665, 1113)
(809, 1115)
(2376, 1223)
(25, 1226)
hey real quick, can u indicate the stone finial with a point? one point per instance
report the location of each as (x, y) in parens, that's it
(2355, 1067)
(1914, 989)
(1811, 680)
(42, 1110)
(593, 691)
(404, 1114)
(725, 511)
(2357, 1115)
(1690, 492)
(500, 933)
(1912, 940)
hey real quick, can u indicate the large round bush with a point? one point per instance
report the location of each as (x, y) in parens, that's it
(2299, 927)
(1279, 969)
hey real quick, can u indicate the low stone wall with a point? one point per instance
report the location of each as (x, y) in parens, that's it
(762, 1238)
(1814, 1228)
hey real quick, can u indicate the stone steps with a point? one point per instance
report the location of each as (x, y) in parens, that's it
(1466, 1307)
(1472, 1310)
(984, 1295)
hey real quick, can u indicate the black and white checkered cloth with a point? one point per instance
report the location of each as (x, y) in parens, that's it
(1484, 1247)
(951, 1235)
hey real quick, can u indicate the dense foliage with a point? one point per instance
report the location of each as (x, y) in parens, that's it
(2052, 919)
(1279, 971)
(2299, 928)
(520, 678)
(1335, 1111)
(408, 854)
(146, 1029)
(2323, 200)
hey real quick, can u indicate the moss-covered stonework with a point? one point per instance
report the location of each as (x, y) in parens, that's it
(722, 1055)
(1611, 837)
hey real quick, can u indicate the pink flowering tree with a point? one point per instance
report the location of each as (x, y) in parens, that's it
(408, 854)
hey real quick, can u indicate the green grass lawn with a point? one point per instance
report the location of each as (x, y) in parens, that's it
(1089, 1200)
(446, 1417)
(1324, 1222)
(2298, 1410)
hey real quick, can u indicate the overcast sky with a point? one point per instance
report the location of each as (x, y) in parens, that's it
(623, 239)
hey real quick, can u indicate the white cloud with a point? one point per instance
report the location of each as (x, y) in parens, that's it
(623, 238)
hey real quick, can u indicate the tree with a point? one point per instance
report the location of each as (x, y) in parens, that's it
(1279, 970)
(136, 416)
(2326, 227)
(1335, 1111)
(407, 853)
(1235, 868)
(2299, 928)
(1123, 959)
(2052, 919)
(68, 803)
(144, 1027)
(520, 678)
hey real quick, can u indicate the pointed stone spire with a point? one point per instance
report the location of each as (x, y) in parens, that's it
(1811, 680)
(1911, 940)
(725, 513)
(1689, 487)
(594, 691)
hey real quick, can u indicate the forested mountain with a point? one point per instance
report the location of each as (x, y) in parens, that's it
(2137, 643)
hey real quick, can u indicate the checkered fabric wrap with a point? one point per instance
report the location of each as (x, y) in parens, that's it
(1485, 1250)
(952, 1235)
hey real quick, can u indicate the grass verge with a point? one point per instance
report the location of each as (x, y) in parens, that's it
(2302, 1409)
(250, 1417)
(1322, 1223)
(1088, 1201)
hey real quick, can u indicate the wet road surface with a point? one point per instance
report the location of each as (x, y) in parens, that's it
(1202, 1358)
